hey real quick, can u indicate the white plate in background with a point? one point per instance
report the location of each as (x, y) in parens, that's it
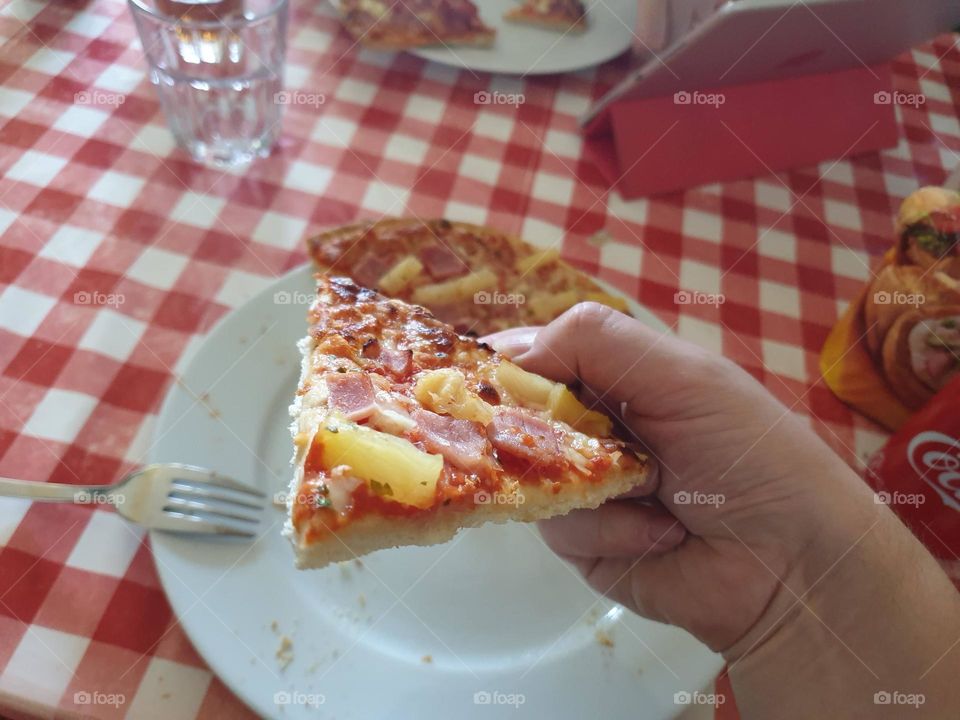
(500, 617)
(525, 50)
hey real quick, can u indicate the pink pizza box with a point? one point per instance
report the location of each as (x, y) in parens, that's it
(646, 146)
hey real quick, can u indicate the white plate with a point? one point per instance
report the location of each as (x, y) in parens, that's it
(494, 608)
(524, 50)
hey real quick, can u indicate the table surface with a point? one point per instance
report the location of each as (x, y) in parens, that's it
(117, 254)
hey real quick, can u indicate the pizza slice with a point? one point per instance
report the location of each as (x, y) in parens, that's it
(478, 279)
(560, 15)
(403, 24)
(405, 432)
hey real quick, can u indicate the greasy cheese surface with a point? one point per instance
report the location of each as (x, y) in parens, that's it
(420, 369)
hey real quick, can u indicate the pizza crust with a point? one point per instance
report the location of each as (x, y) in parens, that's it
(376, 533)
(390, 44)
(547, 22)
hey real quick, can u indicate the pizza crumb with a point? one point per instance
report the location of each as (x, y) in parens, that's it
(345, 571)
(427, 659)
(275, 626)
(165, 696)
(362, 600)
(603, 637)
(313, 668)
(359, 563)
(211, 410)
(284, 652)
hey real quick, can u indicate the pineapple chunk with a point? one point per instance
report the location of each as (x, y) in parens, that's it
(531, 262)
(565, 407)
(451, 291)
(445, 391)
(536, 391)
(400, 275)
(409, 474)
(525, 387)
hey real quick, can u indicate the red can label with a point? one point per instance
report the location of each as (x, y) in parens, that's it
(935, 458)
(918, 473)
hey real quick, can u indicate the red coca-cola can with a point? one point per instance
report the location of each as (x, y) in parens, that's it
(917, 473)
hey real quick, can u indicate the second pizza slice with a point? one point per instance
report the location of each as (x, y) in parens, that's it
(404, 24)
(406, 432)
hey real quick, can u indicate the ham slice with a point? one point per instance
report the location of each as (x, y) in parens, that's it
(370, 269)
(396, 362)
(441, 262)
(461, 442)
(525, 437)
(352, 394)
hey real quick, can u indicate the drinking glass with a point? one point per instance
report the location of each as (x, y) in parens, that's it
(218, 70)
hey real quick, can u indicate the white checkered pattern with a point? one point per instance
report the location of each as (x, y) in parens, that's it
(117, 254)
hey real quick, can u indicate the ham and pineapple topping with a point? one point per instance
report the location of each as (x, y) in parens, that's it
(425, 417)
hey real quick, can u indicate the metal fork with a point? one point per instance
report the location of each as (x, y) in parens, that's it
(177, 498)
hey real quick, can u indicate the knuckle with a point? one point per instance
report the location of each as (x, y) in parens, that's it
(586, 319)
(590, 313)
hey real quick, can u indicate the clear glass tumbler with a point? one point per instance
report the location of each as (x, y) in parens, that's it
(218, 69)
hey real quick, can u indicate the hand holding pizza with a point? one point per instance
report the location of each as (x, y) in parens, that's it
(782, 548)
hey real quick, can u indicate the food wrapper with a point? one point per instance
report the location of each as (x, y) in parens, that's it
(898, 343)
(917, 473)
(850, 371)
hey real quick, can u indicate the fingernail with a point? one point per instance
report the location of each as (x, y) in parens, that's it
(666, 532)
(514, 344)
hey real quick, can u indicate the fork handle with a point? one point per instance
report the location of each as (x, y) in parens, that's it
(57, 492)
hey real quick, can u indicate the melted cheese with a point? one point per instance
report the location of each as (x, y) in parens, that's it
(401, 275)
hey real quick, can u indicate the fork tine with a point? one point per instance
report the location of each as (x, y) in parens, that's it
(198, 475)
(176, 521)
(188, 505)
(214, 492)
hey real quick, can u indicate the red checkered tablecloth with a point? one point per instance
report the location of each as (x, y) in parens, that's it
(117, 255)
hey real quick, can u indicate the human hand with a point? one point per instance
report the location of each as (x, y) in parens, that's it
(819, 598)
(747, 480)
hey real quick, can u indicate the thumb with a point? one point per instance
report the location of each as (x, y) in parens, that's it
(616, 356)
